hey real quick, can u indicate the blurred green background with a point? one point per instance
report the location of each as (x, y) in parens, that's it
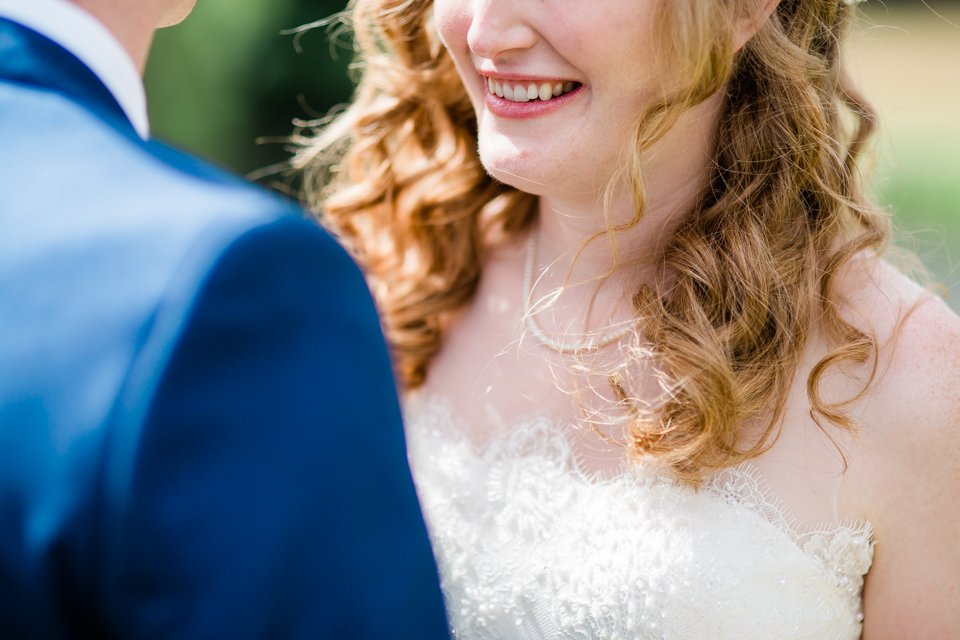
(226, 85)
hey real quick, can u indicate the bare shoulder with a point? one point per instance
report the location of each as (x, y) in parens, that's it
(915, 395)
(905, 468)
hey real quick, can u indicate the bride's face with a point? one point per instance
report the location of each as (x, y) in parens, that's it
(558, 85)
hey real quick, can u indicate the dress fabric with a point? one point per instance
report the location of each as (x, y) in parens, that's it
(530, 546)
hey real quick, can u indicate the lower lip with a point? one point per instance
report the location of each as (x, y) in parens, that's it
(534, 108)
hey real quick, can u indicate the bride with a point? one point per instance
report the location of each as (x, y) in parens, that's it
(660, 381)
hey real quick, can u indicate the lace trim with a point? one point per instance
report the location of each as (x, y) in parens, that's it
(844, 551)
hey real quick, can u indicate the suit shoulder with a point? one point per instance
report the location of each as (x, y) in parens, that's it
(101, 172)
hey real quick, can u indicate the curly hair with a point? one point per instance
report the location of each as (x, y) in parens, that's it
(753, 264)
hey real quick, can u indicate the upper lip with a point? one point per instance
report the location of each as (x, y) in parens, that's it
(517, 77)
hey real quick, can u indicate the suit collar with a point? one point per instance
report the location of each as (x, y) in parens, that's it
(30, 58)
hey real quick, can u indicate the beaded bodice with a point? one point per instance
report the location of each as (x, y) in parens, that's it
(530, 546)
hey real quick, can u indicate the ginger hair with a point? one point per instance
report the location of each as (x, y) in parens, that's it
(753, 265)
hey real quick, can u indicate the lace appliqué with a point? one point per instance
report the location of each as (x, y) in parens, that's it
(530, 546)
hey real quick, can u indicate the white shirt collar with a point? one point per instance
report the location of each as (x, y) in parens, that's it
(92, 43)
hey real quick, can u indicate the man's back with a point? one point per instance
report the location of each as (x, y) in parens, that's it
(197, 426)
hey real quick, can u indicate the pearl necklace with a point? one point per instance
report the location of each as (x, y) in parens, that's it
(594, 342)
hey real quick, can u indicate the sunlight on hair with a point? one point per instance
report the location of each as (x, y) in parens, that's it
(752, 268)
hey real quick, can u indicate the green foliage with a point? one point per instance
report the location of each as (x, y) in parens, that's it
(227, 78)
(918, 178)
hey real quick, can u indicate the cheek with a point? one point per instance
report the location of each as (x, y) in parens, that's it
(452, 20)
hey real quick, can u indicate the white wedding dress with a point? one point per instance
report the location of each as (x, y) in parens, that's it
(530, 546)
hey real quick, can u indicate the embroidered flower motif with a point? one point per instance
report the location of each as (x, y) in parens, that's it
(845, 551)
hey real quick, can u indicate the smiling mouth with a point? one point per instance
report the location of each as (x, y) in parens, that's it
(529, 91)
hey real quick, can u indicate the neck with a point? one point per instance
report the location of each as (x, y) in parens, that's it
(132, 29)
(672, 182)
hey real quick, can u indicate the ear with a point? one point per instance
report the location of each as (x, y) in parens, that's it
(753, 18)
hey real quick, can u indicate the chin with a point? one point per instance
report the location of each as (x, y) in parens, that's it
(512, 176)
(514, 166)
(542, 165)
(177, 13)
(540, 176)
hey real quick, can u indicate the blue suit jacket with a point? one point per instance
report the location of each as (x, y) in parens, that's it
(199, 436)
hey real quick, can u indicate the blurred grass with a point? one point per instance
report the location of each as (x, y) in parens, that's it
(226, 78)
(906, 58)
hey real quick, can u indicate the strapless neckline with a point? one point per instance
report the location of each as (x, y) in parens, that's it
(491, 509)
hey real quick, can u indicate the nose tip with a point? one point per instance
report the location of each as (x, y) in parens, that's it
(497, 28)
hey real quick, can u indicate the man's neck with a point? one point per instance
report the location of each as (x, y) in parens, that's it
(133, 29)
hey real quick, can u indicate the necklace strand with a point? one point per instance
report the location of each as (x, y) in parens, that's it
(566, 348)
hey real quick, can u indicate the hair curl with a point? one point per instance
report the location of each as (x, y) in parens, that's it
(754, 263)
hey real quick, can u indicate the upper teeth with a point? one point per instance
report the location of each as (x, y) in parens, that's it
(524, 92)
